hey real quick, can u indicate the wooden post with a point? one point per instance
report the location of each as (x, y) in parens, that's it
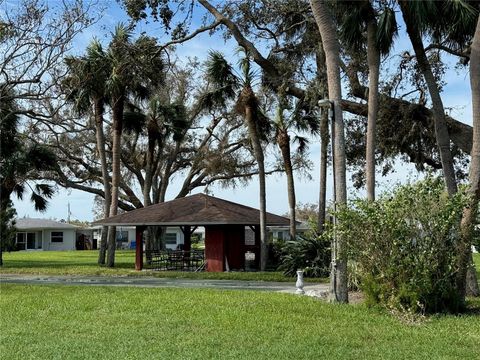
(187, 238)
(139, 247)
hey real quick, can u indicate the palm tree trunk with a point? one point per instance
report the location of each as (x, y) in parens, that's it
(339, 286)
(470, 212)
(147, 187)
(283, 141)
(322, 201)
(100, 137)
(259, 157)
(373, 59)
(117, 110)
(324, 138)
(440, 124)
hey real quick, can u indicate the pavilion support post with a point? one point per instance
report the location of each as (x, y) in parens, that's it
(187, 238)
(139, 247)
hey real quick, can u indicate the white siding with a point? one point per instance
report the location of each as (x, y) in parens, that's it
(68, 240)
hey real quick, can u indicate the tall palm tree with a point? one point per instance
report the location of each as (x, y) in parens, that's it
(282, 138)
(284, 126)
(86, 83)
(322, 90)
(228, 86)
(135, 68)
(358, 18)
(326, 26)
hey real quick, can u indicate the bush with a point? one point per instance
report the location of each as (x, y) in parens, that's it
(403, 246)
(310, 253)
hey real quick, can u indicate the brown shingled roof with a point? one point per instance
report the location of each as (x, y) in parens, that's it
(198, 209)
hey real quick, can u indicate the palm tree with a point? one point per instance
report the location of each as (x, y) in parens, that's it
(359, 17)
(322, 91)
(86, 87)
(325, 23)
(20, 162)
(226, 86)
(135, 68)
(283, 126)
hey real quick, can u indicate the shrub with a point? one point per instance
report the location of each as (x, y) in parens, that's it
(403, 246)
(310, 253)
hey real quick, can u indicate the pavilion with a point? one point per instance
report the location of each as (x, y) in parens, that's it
(224, 222)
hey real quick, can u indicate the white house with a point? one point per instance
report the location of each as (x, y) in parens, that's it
(283, 232)
(126, 237)
(43, 234)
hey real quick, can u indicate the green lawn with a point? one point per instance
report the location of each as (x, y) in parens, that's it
(85, 263)
(68, 322)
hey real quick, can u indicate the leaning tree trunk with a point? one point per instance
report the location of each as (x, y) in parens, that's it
(440, 124)
(117, 110)
(283, 141)
(324, 20)
(100, 137)
(470, 212)
(259, 157)
(373, 59)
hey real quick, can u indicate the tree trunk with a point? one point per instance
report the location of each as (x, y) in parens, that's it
(100, 137)
(373, 59)
(339, 286)
(470, 212)
(440, 124)
(147, 187)
(283, 141)
(324, 138)
(117, 110)
(322, 201)
(259, 157)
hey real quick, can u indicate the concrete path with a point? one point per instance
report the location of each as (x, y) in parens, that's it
(159, 283)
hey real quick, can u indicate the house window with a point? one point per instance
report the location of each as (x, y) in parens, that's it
(122, 236)
(56, 236)
(21, 241)
(170, 239)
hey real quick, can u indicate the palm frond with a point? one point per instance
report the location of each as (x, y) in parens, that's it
(39, 202)
(387, 31)
(134, 121)
(302, 142)
(219, 72)
(19, 190)
(45, 190)
(352, 28)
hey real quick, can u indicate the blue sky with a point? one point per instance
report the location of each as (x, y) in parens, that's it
(456, 95)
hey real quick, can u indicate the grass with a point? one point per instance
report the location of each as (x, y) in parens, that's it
(85, 263)
(68, 322)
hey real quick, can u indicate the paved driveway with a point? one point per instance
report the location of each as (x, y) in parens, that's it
(158, 282)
